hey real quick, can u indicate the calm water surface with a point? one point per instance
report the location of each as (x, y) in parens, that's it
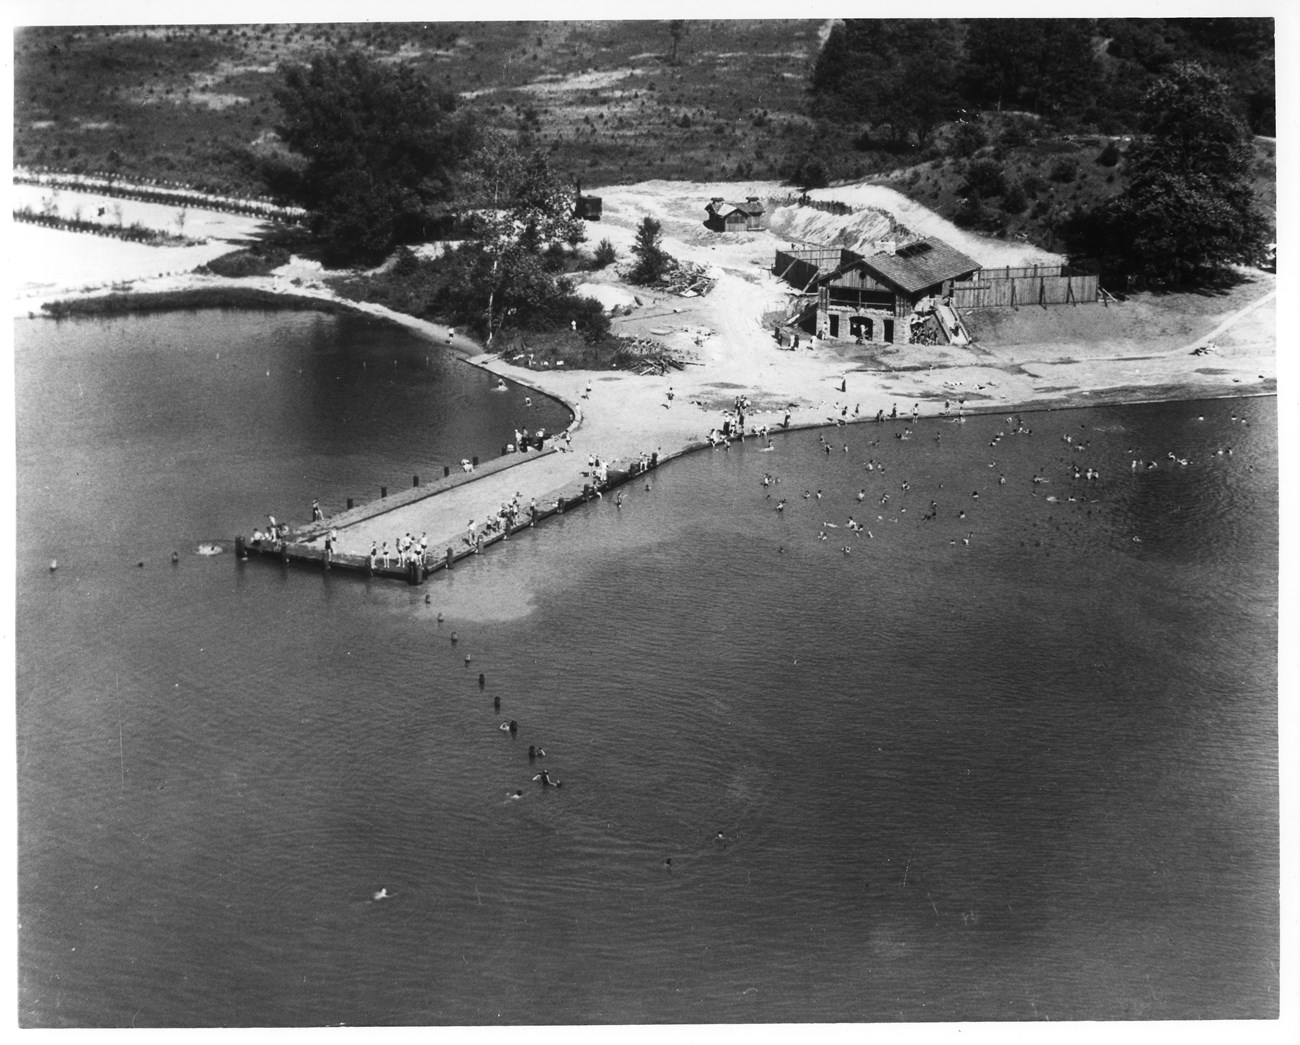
(1032, 776)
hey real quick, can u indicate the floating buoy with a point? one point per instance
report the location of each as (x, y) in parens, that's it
(54, 565)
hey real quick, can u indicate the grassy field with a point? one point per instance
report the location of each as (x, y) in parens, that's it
(194, 103)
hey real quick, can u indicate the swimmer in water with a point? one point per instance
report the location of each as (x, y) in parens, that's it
(546, 781)
(383, 894)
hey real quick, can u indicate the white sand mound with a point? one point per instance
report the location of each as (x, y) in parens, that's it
(857, 232)
(989, 252)
(609, 297)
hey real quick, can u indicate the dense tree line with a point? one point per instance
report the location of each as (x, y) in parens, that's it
(895, 80)
(1188, 210)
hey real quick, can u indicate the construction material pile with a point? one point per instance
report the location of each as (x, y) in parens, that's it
(645, 356)
(687, 280)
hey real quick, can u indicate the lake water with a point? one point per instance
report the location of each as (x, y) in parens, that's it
(1031, 776)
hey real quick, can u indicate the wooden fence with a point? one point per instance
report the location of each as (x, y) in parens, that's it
(1032, 285)
(799, 267)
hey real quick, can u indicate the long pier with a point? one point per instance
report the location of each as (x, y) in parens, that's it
(306, 545)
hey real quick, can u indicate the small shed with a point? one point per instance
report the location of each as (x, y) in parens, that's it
(588, 208)
(734, 217)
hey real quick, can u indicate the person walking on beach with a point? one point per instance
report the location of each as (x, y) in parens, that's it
(316, 515)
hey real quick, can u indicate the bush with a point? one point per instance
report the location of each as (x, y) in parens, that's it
(1014, 199)
(984, 178)
(255, 261)
(972, 214)
(966, 140)
(1015, 134)
(605, 255)
(1064, 169)
(1109, 156)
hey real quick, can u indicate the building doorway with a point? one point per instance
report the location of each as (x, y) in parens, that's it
(861, 327)
(835, 326)
(889, 331)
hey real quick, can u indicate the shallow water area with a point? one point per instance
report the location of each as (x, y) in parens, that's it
(1013, 765)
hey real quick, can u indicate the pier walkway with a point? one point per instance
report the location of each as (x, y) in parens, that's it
(552, 480)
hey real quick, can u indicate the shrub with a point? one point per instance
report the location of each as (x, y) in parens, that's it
(605, 254)
(972, 214)
(1109, 156)
(1064, 169)
(1015, 134)
(254, 261)
(984, 178)
(1014, 199)
(966, 140)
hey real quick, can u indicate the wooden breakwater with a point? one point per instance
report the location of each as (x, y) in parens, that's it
(298, 551)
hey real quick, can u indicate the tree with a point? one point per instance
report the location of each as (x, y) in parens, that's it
(677, 29)
(521, 208)
(1188, 210)
(1045, 65)
(378, 147)
(652, 260)
(889, 72)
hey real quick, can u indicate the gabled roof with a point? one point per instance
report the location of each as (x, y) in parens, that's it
(723, 208)
(919, 265)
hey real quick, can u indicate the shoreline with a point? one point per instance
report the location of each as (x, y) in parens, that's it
(1072, 356)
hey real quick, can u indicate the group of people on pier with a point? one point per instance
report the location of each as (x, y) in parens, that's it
(408, 549)
(525, 441)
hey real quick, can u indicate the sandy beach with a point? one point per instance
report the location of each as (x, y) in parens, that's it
(1137, 350)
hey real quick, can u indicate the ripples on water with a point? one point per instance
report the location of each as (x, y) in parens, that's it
(1029, 777)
